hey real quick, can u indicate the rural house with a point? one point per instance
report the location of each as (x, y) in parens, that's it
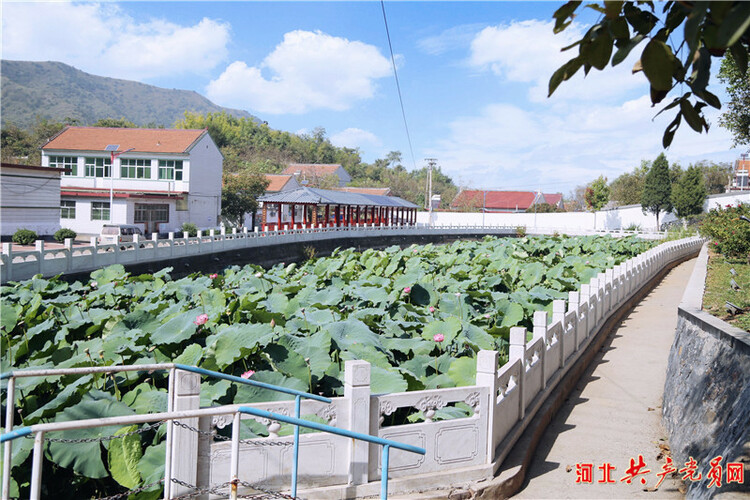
(157, 179)
(503, 201)
(313, 174)
(31, 199)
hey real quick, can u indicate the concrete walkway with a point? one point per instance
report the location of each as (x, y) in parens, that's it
(614, 413)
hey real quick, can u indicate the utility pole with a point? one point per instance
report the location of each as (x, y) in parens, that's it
(431, 162)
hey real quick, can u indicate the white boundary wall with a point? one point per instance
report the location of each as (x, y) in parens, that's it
(504, 400)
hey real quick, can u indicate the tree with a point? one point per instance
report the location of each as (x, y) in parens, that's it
(657, 190)
(628, 187)
(239, 192)
(689, 193)
(710, 29)
(715, 175)
(597, 193)
(736, 118)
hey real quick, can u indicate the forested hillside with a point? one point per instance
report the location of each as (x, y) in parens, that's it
(58, 92)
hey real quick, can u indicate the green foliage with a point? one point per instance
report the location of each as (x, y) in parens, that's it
(657, 190)
(543, 208)
(293, 325)
(627, 189)
(24, 237)
(729, 234)
(63, 233)
(115, 123)
(597, 193)
(238, 194)
(702, 29)
(736, 118)
(189, 228)
(689, 193)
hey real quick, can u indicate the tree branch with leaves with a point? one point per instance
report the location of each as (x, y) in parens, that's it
(671, 57)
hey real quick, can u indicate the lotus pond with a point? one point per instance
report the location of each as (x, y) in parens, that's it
(417, 314)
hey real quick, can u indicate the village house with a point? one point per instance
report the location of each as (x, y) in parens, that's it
(741, 179)
(503, 201)
(157, 179)
(315, 175)
(30, 199)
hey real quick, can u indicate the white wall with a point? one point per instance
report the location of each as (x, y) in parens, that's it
(30, 200)
(204, 203)
(724, 199)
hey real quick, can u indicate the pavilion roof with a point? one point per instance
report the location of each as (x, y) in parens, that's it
(314, 196)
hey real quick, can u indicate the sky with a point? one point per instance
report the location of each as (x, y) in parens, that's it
(473, 77)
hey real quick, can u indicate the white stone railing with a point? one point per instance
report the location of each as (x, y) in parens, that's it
(20, 265)
(504, 400)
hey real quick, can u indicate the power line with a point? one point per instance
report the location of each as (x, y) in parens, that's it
(398, 86)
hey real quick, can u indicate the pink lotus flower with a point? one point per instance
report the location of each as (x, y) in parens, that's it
(487, 316)
(432, 309)
(407, 289)
(438, 337)
(213, 276)
(258, 274)
(201, 319)
(273, 323)
(458, 294)
(248, 374)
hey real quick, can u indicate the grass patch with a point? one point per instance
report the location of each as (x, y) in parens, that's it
(719, 290)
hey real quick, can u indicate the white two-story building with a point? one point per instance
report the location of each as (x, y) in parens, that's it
(157, 179)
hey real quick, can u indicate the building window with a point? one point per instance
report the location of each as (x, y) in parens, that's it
(67, 209)
(69, 162)
(100, 210)
(151, 213)
(170, 170)
(98, 167)
(135, 169)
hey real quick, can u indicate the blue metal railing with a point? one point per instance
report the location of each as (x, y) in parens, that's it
(9, 436)
(386, 443)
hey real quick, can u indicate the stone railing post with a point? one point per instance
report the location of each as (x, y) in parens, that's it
(590, 321)
(540, 330)
(487, 362)
(357, 393)
(558, 314)
(184, 463)
(8, 252)
(516, 352)
(94, 242)
(39, 246)
(68, 254)
(136, 245)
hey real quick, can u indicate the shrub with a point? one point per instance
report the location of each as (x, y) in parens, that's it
(730, 234)
(189, 228)
(633, 227)
(521, 231)
(63, 233)
(24, 237)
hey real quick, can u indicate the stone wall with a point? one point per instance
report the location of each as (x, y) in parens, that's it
(707, 393)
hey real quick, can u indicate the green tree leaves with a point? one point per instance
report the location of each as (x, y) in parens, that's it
(709, 29)
(657, 190)
(689, 193)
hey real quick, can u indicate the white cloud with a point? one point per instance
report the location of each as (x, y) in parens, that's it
(102, 39)
(529, 52)
(507, 147)
(457, 37)
(355, 138)
(306, 71)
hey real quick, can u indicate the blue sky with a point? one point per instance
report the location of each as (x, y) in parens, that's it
(473, 77)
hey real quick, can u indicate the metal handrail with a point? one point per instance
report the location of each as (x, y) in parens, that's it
(386, 443)
(7, 437)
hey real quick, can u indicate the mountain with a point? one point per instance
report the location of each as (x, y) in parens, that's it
(59, 92)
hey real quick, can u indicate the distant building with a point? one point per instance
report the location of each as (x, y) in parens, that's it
(503, 201)
(740, 178)
(281, 182)
(164, 178)
(366, 190)
(30, 199)
(312, 174)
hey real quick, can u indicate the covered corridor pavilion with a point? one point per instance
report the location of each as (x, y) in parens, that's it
(311, 207)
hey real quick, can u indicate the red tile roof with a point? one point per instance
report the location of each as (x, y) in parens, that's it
(366, 190)
(142, 140)
(319, 169)
(276, 182)
(500, 200)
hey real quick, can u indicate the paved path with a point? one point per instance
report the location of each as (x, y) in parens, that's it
(614, 413)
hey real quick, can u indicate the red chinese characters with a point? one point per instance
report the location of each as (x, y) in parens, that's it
(636, 469)
(585, 473)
